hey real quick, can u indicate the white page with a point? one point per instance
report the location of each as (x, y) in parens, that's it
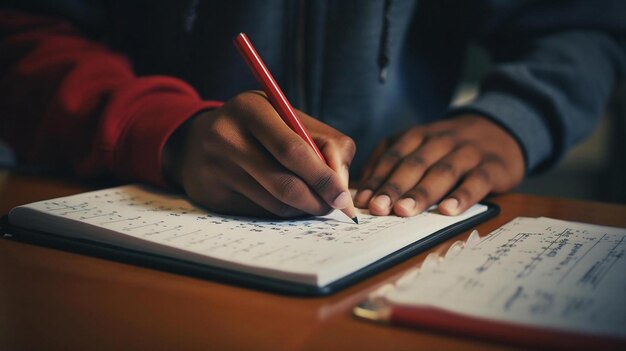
(315, 250)
(535, 271)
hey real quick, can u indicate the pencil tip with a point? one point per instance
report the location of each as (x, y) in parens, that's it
(355, 219)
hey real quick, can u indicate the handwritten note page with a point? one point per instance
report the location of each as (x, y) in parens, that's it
(315, 250)
(538, 271)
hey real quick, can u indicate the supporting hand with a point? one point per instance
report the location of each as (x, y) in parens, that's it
(466, 157)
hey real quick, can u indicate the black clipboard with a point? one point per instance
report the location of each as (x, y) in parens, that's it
(178, 266)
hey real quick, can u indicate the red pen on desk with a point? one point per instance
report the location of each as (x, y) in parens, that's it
(279, 100)
(433, 318)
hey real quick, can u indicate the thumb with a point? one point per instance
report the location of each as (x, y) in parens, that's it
(339, 153)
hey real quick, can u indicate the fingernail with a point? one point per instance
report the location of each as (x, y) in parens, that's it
(363, 196)
(407, 203)
(451, 206)
(341, 201)
(382, 202)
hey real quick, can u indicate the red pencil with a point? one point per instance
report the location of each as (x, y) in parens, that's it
(433, 318)
(279, 100)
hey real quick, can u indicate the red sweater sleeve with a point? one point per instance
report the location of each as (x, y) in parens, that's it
(71, 102)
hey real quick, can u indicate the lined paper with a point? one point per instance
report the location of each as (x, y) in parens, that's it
(535, 271)
(315, 250)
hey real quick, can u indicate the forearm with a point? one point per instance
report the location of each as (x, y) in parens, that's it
(68, 101)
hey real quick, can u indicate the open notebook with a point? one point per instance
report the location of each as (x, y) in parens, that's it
(534, 281)
(316, 255)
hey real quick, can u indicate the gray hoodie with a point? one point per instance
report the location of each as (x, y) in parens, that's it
(374, 68)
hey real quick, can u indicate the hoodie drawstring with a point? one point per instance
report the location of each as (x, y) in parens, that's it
(385, 43)
(190, 16)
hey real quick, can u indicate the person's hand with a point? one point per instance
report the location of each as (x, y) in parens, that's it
(242, 159)
(459, 161)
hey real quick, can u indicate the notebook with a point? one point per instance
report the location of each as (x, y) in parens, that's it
(534, 282)
(310, 256)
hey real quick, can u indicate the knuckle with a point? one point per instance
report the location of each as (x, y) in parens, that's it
(373, 182)
(493, 159)
(470, 150)
(239, 102)
(414, 133)
(322, 183)
(466, 146)
(348, 144)
(391, 189)
(415, 160)
(419, 192)
(244, 106)
(292, 149)
(445, 169)
(220, 136)
(446, 134)
(248, 98)
(214, 132)
(482, 174)
(446, 138)
(391, 156)
(288, 189)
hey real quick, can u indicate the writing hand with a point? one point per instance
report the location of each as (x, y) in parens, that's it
(242, 159)
(466, 157)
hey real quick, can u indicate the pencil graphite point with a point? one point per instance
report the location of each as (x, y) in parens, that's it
(351, 212)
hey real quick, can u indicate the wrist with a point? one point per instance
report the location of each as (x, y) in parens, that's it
(173, 154)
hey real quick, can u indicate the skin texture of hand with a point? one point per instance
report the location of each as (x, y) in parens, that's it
(459, 161)
(242, 159)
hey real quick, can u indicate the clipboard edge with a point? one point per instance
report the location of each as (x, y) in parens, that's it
(237, 278)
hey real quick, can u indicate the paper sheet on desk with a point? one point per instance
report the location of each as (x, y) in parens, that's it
(535, 271)
(314, 251)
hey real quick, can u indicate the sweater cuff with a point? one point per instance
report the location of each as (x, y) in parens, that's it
(521, 120)
(138, 153)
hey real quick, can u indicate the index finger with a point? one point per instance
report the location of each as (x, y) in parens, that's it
(297, 156)
(339, 153)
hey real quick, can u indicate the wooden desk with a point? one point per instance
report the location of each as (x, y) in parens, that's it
(56, 300)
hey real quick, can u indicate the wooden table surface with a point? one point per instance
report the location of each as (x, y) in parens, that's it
(52, 299)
